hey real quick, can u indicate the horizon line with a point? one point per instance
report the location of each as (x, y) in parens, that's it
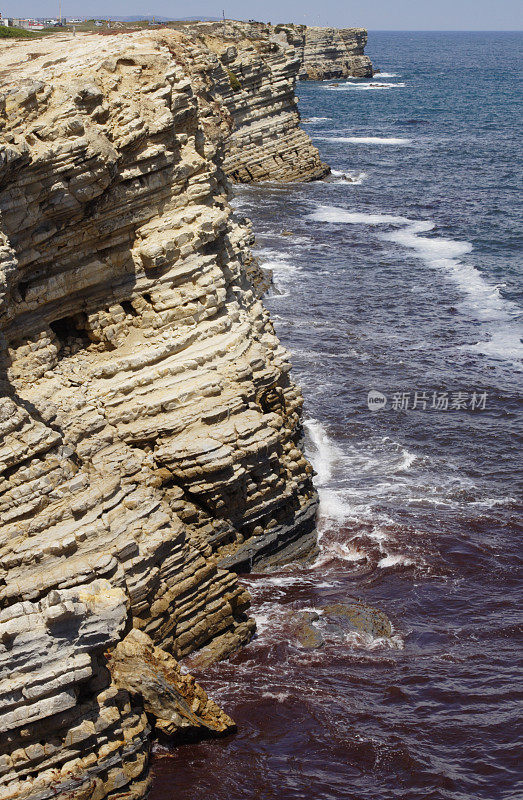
(440, 30)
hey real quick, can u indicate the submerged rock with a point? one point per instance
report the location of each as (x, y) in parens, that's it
(308, 635)
(361, 617)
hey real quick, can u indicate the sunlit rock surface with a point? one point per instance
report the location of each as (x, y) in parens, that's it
(150, 434)
(328, 52)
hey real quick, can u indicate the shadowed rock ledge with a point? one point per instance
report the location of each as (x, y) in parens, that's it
(150, 433)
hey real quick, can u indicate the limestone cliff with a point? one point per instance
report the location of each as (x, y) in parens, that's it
(254, 79)
(150, 434)
(328, 52)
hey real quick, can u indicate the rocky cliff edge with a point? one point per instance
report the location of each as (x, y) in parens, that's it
(150, 433)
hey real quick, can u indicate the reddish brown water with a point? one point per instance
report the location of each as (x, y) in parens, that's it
(430, 713)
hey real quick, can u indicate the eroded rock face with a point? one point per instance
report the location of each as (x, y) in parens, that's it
(178, 704)
(150, 434)
(328, 52)
(254, 80)
(67, 730)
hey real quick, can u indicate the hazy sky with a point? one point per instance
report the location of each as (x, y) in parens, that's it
(376, 14)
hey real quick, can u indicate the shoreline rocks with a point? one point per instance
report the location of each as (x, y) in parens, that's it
(178, 705)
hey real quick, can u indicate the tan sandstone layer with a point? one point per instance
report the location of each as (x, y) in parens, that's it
(150, 434)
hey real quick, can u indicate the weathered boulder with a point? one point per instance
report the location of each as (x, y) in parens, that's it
(307, 633)
(174, 699)
(360, 616)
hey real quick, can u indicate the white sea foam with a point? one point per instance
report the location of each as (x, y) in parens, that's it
(494, 501)
(277, 580)
(267, 617)
(339, 504)
(386, 140)
(342, 507)
(335, 214)
(334, 505)
(280, 266)
(483, 300)
(325, 456)
(354, 178)
(507, 344)
(315, 119)
(394, 561)
(379, 535)
(279, 696)
(283, 271)
(346, 552)
(388, 75)
(366, 641)
(407, 461)
(324, 453)
(372, 86)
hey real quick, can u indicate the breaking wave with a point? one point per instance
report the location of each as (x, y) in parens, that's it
(390, 140)
(354, 178)
(483, 300)
(362, 87)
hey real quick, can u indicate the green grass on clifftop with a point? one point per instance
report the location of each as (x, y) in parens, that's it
(21, 33)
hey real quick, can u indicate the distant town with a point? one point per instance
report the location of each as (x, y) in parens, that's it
(39, 23)
(47, 24)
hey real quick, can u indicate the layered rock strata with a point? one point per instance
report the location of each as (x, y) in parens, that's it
(254, 79)
(150, 434)
(328, 52)
(255, 82)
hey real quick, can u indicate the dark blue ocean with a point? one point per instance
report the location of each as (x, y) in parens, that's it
(400, 275)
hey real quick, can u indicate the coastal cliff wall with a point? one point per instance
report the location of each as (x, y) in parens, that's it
(254, 79)
(150, 433)
(328, 52)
